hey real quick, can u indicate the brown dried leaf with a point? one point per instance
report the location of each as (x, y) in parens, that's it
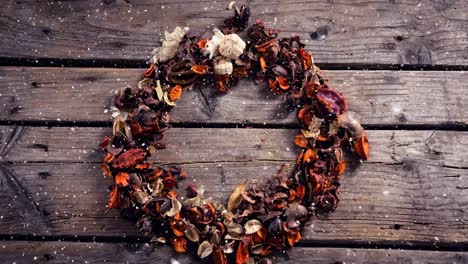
(140, 196)
(218, 255)
(235, 199)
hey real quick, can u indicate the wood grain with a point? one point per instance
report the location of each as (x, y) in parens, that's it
(412, 190)
(383, 32)
(380, 97)
(64, 252)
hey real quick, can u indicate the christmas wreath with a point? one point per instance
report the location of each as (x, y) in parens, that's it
(257, 218)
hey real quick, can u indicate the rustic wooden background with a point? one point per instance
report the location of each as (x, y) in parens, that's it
(402, 64)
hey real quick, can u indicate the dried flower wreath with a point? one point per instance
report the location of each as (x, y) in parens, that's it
(257, 219)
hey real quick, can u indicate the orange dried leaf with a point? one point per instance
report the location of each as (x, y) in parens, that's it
(142, 166)
(109, 157)
(306, 58)
(293, 239)
(179, 244)
(263, 63)
(310, 155)
(242, 254)
(300, 190)
(273, 86)
(283, 82)
(262, 48)
(178, 227)
(340, 167)
(202, 43)
(121, 179)
(175, 93)
(260, 236)
(361, 146)
(292, 195)
(221, 87)
(106, 170)
(114, 198)
(200, 69)
(149, 71)
(301, 141)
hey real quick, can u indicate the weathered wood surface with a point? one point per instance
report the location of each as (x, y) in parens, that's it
(394, 31)
(380, 97)
(66, 252)
(412, 190)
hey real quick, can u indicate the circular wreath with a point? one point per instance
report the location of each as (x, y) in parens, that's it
(257, 219)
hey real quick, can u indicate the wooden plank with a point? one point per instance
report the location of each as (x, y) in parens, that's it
(388, 32)
(412, 190)
(380, 97)
(80, 144)
(65, 252)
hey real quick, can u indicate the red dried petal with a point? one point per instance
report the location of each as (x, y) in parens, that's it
(330, 103)
(129, 158)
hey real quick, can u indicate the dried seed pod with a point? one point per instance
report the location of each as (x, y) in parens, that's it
(223, 66)
(169, 45)
(212, 46)
(232, 46)
(181, 73)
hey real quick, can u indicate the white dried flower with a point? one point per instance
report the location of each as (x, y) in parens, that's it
(169, 46)
(232, 46)
(222, 66)
(212, 46)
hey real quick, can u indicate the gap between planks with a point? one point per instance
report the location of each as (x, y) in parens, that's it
(448, 126)
(142, 64)
(355, 244)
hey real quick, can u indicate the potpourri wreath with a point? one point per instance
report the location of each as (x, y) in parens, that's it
(258, 219)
